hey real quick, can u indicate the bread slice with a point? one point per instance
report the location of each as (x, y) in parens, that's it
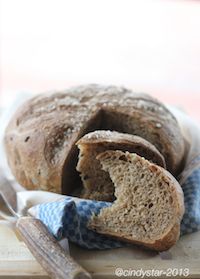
(149, 204)
(97, 183)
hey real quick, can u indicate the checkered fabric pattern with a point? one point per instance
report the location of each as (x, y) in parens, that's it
(191, 190)
(69, 216)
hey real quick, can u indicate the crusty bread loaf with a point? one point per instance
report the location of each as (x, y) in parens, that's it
(40, 138)
(149, 204)
(97, 183)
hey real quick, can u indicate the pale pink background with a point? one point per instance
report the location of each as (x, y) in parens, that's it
(151, 46)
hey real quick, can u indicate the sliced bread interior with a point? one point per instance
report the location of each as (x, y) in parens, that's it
(96, 182)
(149, 204)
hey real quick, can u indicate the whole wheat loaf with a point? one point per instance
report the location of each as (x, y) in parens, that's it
(40, 138)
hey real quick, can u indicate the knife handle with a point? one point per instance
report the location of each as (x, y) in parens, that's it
(44, 247)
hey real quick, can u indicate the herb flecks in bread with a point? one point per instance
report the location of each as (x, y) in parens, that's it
(97, 183)
(149, 205)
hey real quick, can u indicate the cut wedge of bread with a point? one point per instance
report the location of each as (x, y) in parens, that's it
(41, 135)
(97, 183)
(149, 205)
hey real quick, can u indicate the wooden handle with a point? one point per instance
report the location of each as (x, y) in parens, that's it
(52, 257)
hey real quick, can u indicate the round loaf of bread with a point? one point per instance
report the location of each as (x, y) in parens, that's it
(40, 138)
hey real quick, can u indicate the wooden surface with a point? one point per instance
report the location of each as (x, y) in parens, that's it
(17, 262)
(56, 261)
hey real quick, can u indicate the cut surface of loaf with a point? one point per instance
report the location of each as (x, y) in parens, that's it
(41, 136)
(149, 205)
(96, 182)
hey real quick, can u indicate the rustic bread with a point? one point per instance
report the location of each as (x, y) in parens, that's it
(149, 204)
(40, 138)
(97, 183)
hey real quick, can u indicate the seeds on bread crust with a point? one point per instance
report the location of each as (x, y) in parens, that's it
(49, 164)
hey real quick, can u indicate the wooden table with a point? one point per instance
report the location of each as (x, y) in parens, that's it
(16, 262)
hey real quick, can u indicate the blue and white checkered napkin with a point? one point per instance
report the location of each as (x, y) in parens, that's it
(68, 217)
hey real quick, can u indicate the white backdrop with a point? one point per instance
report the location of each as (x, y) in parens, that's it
(151, 46)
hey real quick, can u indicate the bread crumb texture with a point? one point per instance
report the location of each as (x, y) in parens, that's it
(149, 204)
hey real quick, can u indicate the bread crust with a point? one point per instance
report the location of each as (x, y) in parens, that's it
(171, 235)
(122, 141)
(160, 245)
(40, 138)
